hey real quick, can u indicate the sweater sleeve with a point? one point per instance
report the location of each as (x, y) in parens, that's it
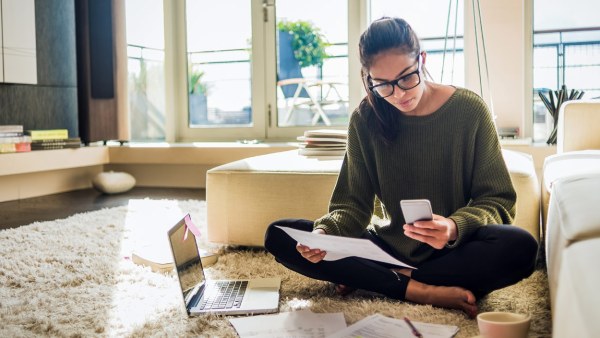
(493, 197)
(351, 205)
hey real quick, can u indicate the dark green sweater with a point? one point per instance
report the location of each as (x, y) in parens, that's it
(451, 157)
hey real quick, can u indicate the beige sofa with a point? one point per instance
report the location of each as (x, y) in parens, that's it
(245, 196)
(572, 254)
(571, 210)
(577, 148)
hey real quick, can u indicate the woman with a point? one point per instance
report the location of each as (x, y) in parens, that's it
(415, 139)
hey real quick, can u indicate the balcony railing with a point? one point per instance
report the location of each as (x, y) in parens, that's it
(566, 56)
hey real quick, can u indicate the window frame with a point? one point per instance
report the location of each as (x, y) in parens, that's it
(265, 129)
(264, 88)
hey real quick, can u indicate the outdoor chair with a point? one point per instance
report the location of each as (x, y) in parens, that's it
(300, 92)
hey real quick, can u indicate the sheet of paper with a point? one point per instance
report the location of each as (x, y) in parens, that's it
(295, 324)
(379, 326)
(338, 247)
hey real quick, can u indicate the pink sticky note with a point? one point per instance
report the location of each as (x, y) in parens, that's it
(189, 225)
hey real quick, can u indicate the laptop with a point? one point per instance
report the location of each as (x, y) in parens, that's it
(230, 297)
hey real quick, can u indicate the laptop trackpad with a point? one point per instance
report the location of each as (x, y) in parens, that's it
(262, 293)
(265, 283)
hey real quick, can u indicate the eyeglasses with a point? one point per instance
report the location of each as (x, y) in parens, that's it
(404, 82)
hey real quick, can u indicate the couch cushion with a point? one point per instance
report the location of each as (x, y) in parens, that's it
(524, 179)
(578, 123)
(573, 216)
(575, 311)
(566, 165)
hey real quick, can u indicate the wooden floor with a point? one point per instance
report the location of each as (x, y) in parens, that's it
(46, 208)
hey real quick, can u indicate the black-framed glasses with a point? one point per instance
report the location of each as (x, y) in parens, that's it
(404, 82)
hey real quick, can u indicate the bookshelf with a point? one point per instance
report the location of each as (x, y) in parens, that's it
(48, 160)
(45, 172)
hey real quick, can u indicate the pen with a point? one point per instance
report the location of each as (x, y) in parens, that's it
(415, 332)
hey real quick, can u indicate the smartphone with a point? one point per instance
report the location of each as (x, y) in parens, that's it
(416, 210)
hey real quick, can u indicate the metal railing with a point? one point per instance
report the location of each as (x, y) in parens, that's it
(565, 43)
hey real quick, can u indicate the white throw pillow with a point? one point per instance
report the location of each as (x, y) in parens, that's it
(113, 182)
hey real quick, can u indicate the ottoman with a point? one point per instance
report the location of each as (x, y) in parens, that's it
(245, 196)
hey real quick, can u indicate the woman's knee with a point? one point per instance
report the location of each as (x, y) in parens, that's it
(271, 235)
(523, 248)
(274, 236)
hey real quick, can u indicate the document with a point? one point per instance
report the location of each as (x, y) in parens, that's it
(379, 326)
(295, 324)
(338, 247)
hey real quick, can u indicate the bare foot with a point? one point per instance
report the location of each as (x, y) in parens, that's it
(452, 297)
(343, 290)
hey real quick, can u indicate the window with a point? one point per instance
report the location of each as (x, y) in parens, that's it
(241, 87)
(146, 71)
(224, 69)
(566, 51)
(200, 72)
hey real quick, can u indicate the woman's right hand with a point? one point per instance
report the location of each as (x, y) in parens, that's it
(312, 255)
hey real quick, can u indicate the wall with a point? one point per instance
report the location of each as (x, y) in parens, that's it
(52, 103)
(507, 28)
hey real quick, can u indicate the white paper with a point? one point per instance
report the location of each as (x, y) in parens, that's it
(338, 247)
(295, 324)
(379, 326)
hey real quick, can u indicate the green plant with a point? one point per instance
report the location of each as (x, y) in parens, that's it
(307, 41)
(562, 95)
(195, 84)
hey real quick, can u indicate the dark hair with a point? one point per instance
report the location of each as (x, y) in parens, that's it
(384, 34)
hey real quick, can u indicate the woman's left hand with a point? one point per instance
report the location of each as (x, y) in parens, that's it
(437, 232)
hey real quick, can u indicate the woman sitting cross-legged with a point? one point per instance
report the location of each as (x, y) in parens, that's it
(411, 138)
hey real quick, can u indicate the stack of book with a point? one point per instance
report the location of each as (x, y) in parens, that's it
(323, 143)
(13, 140)
(52, 139)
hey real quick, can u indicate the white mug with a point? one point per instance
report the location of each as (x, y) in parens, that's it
(503, 324)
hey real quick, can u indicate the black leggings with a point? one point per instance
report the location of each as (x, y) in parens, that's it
(494, 257)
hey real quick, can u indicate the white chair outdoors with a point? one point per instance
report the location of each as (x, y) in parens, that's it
(301, 92)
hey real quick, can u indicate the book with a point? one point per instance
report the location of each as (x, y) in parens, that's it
(162, 260)
(55, 146)
(10, 134)
(15, 144)
(74, 142)
(71, 140)
(330, 143)
(328, 133)
(322, 152)
(48, 134)
(7, 128)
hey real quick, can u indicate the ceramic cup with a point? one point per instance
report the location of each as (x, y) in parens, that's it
(503, 324)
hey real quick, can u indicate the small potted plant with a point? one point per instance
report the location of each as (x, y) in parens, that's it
(307, 42)
(197, 91)
(553, 105)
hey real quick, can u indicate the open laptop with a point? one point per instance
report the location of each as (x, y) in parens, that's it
(216, 296)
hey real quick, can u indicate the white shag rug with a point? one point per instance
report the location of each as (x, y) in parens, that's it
(74, 277)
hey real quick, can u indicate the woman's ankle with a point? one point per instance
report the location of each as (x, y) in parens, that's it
(442, 296)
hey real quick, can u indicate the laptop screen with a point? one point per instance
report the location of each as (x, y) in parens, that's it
(187, 260)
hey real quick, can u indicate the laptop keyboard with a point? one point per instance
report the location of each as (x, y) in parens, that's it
(223, 295)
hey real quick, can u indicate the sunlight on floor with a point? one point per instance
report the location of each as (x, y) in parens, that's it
(145, 231)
